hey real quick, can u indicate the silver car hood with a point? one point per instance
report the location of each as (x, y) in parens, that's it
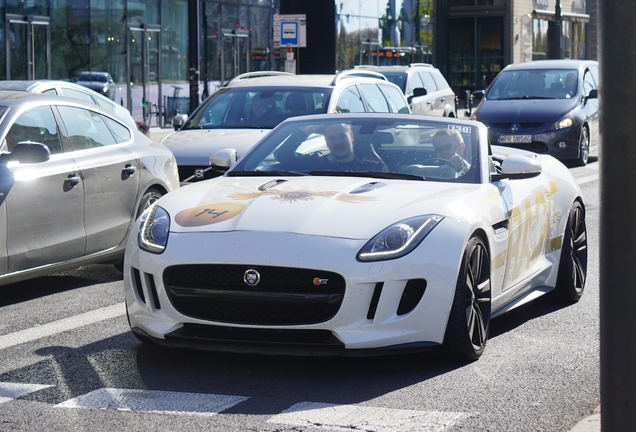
(194, 147)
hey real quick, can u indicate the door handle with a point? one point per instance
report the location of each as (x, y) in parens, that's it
(72, 180)
(129, 170)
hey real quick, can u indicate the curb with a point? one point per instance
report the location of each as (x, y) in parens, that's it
(591, 423)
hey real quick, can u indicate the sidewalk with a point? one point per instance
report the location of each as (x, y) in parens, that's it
(591, 423)
(157, 133)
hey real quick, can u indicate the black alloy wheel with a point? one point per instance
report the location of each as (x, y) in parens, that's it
(573, 262)
(469, 319)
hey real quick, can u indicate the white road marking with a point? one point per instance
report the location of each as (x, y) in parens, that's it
(55, 327)
(154, 401)
(10, 391)
(587, 179)
(354, 417)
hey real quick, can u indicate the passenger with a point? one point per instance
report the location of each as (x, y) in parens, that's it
(449, 146)
(570, 84)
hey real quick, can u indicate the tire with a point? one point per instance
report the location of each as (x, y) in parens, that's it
(584, 148)
(573, 262)
(149, 198)
(469, 318)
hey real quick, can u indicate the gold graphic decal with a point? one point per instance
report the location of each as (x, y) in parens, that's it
(208, 214)
(302, 195)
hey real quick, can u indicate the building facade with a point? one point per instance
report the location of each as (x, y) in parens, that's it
(159, 50)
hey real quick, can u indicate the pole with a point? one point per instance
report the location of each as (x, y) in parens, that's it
(617, 251)
(557, 34)
(193, 52)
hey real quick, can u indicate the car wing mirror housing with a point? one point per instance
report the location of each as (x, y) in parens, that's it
(224, 158)
(593, 94)
(28, 152)
(178, 121)
(517, 167)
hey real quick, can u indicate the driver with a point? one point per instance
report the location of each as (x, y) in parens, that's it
(449, 146)
(342, 155)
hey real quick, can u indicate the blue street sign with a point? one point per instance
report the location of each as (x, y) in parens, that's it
(289, 33)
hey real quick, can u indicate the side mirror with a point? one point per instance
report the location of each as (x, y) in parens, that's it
(224, 158)
(419, 91)
(178, 121)
(478, 95)
(516, 167)
(28, 152)
(593, 94)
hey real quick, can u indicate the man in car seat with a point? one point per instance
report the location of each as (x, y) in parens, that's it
(449, 146)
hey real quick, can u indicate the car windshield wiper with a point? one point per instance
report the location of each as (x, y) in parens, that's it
(373, 174)
(265, 173)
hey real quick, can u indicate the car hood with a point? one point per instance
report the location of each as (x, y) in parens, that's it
(344, 207)
(194, 147)
(525, 110)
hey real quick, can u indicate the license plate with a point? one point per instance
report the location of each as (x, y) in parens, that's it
(513, 139)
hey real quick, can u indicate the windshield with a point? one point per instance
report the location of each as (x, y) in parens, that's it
(262, 108)
(92, 77)
(535, 84)
(379, 147)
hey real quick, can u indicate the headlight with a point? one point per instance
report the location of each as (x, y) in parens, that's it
(105, 89)
(399, 239)
(565, 122)
(154, 229)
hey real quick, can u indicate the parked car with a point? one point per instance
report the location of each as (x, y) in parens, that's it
(424, 86)
(297, 251)
(252, 104)
(72, 90)
(73, 178)
(546, 106)
(101, 82)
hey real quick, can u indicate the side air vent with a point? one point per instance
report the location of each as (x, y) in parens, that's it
(138, 286)
(373, 307)
(413, 292)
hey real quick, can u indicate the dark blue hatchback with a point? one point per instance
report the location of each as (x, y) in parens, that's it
(546, 106)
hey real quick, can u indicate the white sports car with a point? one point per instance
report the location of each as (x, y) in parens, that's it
(357, 234)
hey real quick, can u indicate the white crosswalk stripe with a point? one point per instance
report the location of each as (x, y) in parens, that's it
(355, 417)
(10, 391)
(154, 401)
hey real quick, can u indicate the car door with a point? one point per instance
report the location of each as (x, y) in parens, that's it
(419, 104)
(433, 96)
(44, 202)
(591, 106)
(110, 173)
(529, 207)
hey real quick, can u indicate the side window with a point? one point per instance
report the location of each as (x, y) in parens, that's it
(78, 95)
(414, 82)
(374, 97)
(37, 125)
(429, 84)
(86, 129)
(50, 91)
(396, 100)
(440, 81)
(120, 132)
(350, 100)
(588, 83)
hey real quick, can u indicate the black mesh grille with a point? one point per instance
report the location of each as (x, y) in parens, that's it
(283, 295)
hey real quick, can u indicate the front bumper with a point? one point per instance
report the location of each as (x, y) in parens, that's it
(543, 141)
(398, 304)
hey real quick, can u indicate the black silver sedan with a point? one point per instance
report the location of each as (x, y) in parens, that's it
(73, 178)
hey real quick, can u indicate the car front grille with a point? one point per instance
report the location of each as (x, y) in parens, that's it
(186, 172)
(522, 126)
(284, 296)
